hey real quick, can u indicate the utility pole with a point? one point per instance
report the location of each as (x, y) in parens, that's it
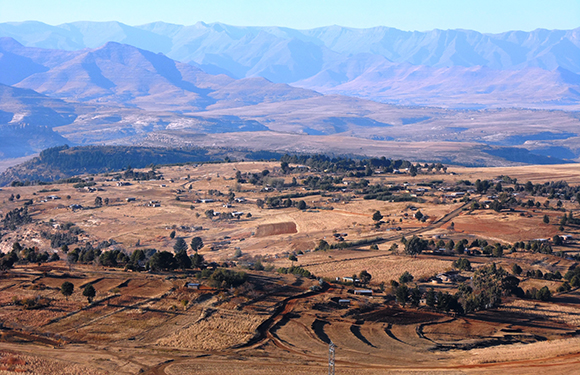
(331, 350)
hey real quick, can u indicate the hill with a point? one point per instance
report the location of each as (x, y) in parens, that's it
(63, 162)
(27, 119)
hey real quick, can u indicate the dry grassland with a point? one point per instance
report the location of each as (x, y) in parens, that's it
(215, 330)
(524, 352)
(568, 314)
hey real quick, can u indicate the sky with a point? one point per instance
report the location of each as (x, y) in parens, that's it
(488, 16)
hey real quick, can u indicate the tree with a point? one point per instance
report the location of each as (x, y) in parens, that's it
(180, 245)
(323, 245)
(415, 296)
(460, 247)
(106, 201)
(544, 294)
(172, 234)
(292, 258)
(284, 166)
(450, 245)
(89, 292)
(301, 205)
(377, 216)
(196, 243)
(406, 277)
(260, 203)
(546, 219)
(98, 202)
(162, 260)
(402, 294)
(418, 215)
(197, 260)
(516, 269)
(67, 288)
(137, 256)
(430, 299)
(497, 250)
(558, 241)
(182, 260)
(365, 277)
(415, 246)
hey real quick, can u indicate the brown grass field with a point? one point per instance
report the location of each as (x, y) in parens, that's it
(149, 322)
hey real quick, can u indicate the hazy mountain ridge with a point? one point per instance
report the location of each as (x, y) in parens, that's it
(547, 49)
(343, 60)
(119, 74)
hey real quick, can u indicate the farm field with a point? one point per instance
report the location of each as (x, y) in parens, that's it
(281, 275)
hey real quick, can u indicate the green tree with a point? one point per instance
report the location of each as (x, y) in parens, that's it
(182, 260)
(558, 241)
(415, 246)
(546, 219)
(301, 205)
(197, 260)
(67, 288)
(418, 215)
(180, 245)
(89, 292)
(377, 216)
(460, 247)
(98, 202)
(285, 167)
(365, 277)
(449, 246)
(402, 294)
(196, 243)
(430, 299)
(497, 250)
(162, 260)
(292, 258)
(172, 234)
(516, 269)
(415, 297)
(323, 245)
(406, 277)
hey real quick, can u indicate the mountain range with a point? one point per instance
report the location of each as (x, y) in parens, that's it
(450, 68)
(121, 94)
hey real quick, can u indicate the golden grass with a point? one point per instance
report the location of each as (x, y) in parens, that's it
(221, 330)
(523, 352)
(561, 313)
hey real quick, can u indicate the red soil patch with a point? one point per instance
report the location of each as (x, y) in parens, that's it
(266, 230)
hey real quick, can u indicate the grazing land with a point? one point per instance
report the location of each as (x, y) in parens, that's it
(255, 267)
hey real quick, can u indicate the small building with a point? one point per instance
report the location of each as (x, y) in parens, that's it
(363, 292)
(123, 183)
(131, 199)
(53, 197)
(192, 286)
(240, 200)
(344, 302)
(206, 200)
(348, 280)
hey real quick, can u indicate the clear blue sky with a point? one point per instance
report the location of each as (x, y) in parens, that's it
(481, 15)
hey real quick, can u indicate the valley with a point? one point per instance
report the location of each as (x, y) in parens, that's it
(283, 247)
